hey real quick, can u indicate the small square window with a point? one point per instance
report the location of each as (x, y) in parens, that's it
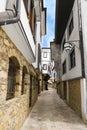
(45, 55)
(44, 66)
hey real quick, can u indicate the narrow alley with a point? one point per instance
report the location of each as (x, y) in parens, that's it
(51, 113)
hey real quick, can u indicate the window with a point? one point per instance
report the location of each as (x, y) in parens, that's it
(13, 80)
(72, 59)
(44, 66)
(64, 67)
(24, 80)
(71, 26)
(45, 55)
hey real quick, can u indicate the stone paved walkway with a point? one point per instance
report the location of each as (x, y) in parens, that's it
(51, 113)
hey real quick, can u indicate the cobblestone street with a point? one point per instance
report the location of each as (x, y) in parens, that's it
(51, 113)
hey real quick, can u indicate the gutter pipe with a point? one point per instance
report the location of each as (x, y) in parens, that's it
(15, 19)
(81, 38)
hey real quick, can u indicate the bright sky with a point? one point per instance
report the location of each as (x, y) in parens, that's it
(50, 5)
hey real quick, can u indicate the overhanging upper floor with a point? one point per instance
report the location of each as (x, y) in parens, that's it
(63, 10)
(14, 21)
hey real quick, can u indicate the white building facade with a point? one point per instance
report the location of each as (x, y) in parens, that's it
(14, 18)
(20, 32)
(46, 60)
(40, 30)
(73, 81)
(16, 25)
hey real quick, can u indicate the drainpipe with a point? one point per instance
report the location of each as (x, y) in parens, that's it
(14, 19)
(83, 81)
(81, 38)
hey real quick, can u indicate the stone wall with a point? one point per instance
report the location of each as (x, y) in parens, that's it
(40, 82)
(14, 111)
(75, 95)
(60, 89)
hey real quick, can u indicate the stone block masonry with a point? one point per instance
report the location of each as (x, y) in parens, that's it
(14, 106)
(71, 94)
(75, 95)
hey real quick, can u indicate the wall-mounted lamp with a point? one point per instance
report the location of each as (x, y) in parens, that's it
(69, 45)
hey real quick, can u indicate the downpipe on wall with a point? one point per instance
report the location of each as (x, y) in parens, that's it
(14, 19)
(83, 80)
